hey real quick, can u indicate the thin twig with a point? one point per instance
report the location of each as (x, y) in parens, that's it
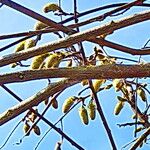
(61, 118)
(130, 124)
(100, 111)
(9, 136)
(49, 123)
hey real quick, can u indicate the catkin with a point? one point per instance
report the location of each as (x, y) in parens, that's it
(20, 46)
(97, 84)
(38, 60)
(39, 25)
(67, 104)
(118, 107)
(83, 115)
(30, 43)
(53, 61)
(92, 110)
(51, 7)
(142, 94)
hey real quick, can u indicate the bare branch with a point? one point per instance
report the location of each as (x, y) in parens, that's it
(49, 29)
(45, 120)
(103, 118)
(35, 15)
(121, 48)
(75, 38)
(140, 139)
(35, 100)
(79, 73)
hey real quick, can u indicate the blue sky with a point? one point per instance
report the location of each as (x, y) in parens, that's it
(93, 136)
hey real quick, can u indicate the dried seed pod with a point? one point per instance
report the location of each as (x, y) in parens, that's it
(100, 56)
(97, 84)
(139, 129)
(107, 87)
(53, 61)
(133, 116)
(121, 99)
(92, 109)
(58, 146)
(36, 130)
(33, 116)
(30, 43)
(38, 60)
(13, 65)
(142, 94)
(117, 83)
(29, 113)
(84, 82)
(51, 7)
(67, 104)
(118, 107)
(26, 128)
(46, 101)
(55, 103)
(39, 26)
(83, 115)
(20, 46)
(141, 144)
(69, 63)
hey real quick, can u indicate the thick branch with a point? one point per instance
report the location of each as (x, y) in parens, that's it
(35, 100)
(79, 73)
(75, 38)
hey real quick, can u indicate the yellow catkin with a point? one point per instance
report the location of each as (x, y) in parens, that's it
(67, 104)
(83, 115)
(30, 43)
(117, 83)
(142, 94)
(92, 110)
(53, 61)
(26, 127)
(118, 107)
(97, 84)
(38, 60)
(20, 46)
(51, 7)
(36, 130)
(39, 25)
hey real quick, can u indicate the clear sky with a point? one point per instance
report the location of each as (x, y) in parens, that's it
(93, 136)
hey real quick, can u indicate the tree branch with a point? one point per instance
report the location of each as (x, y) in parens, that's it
(121, 48)
(103, 118)
(35, 100)
(75, 38)
(29, 33)
(140, 139)
(53, 126)
(79, 73)
(35, 15)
